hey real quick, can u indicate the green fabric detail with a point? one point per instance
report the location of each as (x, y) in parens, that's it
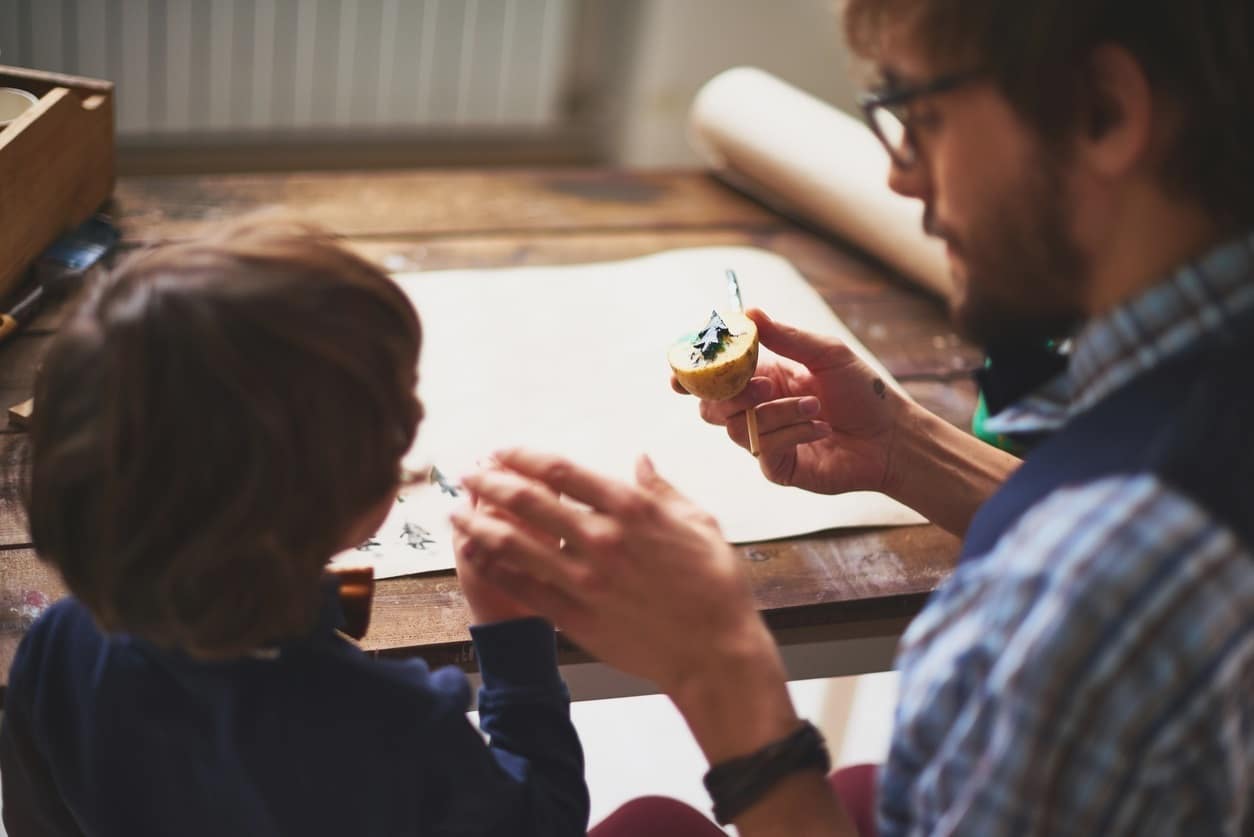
(995, 439)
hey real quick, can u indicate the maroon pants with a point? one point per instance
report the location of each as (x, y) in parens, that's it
(658, 816)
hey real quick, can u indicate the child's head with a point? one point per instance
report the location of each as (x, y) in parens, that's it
(215, 421)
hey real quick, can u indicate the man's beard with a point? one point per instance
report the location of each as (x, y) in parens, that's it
(1025, 276)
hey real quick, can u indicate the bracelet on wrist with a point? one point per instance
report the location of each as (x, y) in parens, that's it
(735, 785)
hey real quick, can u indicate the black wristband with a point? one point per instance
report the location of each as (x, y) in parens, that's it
(736, 784)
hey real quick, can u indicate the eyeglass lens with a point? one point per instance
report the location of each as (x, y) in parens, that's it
(893, 132)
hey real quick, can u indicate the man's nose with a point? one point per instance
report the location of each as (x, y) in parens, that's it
(911, 181)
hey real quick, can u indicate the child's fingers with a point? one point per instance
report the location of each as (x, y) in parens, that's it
(486, 540)
(568, 478)
(527, 502)
(545, 599)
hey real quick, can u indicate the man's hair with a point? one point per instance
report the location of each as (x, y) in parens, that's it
(1198, 56)
(213, 422)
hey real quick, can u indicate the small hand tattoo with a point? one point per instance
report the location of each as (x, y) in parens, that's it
(878, 386)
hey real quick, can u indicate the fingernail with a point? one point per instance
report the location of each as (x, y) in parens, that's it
(471, 481)
(823, 427)
(809, 406)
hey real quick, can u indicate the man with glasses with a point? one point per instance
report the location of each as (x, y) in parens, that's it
(1089, 667)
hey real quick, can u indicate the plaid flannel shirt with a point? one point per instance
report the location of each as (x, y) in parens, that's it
(1094, 672)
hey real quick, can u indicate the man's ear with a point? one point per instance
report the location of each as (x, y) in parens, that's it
(1117, 124)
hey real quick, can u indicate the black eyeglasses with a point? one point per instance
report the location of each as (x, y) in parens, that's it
(887, 111)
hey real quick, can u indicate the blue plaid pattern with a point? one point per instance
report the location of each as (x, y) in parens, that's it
(1094, 673)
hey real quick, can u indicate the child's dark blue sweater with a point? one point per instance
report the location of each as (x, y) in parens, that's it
(109, 735)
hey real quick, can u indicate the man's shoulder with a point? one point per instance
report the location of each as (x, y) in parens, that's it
(1090, 563)
(1115, 527)
(1109, 546)
(1107, 634)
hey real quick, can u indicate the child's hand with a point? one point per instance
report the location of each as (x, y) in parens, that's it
(644, 579)
(487, 602)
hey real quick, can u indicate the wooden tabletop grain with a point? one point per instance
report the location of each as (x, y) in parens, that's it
(833, 585)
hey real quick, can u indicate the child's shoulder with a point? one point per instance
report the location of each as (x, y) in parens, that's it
(64, 645)
(64, 629)
(408, 684)
(65, 621)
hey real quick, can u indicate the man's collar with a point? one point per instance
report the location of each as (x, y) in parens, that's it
(1197, 299)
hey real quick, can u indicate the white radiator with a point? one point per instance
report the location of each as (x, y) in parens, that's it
(295, 67)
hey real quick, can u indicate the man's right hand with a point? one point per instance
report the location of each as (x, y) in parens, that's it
(826, 420)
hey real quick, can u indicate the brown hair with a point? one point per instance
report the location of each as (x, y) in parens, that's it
(1197, 54)
(210, 426)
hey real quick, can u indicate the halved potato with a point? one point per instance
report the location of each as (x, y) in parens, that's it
(722, 373)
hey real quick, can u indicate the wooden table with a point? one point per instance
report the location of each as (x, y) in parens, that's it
(837, 601)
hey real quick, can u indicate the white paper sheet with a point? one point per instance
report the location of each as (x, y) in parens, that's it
(415, 538)
(573, 360)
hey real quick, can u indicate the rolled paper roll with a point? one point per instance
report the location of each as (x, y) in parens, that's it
(810, 159)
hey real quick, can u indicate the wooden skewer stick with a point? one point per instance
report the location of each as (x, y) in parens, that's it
(751, 420)
(751, 414)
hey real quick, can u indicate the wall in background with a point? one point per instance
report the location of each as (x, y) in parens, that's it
(684, 43)
(240, 84)
(303, 67)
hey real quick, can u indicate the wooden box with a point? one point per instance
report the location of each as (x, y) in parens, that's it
(56, 164)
